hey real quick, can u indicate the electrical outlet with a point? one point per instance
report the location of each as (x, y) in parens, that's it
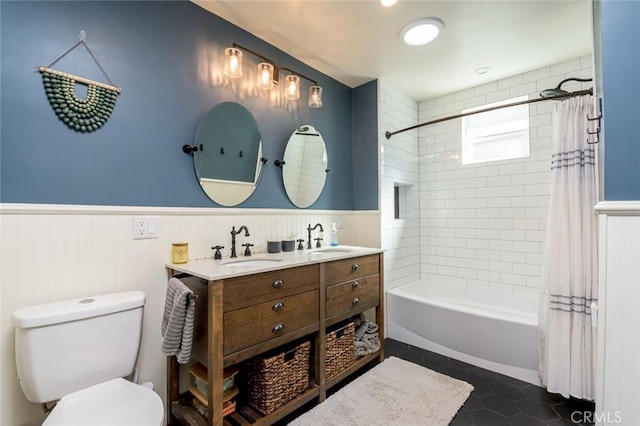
(145, 227)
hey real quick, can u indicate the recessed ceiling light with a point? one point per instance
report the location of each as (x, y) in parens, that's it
(422, 31)
(388, 3)
(483, 70)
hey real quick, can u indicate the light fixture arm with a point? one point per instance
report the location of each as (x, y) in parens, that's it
(237, 46)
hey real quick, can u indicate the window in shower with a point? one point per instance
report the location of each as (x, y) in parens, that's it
(502, 134)
(402, 201)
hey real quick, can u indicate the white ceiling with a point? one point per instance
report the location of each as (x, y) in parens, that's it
(357, 41)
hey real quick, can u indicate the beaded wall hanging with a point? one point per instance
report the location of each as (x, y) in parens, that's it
(82, 115)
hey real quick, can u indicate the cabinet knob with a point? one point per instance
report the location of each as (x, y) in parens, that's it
(355, 267)
(278, 328)
(355, 284)
(355, 301)
(278, 306)
(278, 283)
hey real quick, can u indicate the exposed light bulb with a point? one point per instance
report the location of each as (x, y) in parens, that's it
(387, 3)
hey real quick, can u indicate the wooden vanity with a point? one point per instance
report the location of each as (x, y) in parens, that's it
(244, 311)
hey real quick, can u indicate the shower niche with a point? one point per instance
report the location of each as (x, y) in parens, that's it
(403, 201)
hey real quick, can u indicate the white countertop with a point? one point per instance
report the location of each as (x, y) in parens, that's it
(211, 269)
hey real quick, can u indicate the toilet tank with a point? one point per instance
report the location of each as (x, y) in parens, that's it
(68, 346)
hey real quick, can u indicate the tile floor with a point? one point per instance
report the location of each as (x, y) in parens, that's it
(496, 399)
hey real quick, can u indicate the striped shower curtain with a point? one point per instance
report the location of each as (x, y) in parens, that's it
(567, 339)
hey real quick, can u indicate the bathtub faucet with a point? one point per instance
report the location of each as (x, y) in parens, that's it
(309, 229)
(233, 238)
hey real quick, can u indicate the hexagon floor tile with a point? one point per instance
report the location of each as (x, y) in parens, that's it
(497, 399)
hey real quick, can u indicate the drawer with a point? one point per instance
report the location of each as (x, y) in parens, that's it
(349, 269)
(255, 324)
(350, 295)
(249, 290)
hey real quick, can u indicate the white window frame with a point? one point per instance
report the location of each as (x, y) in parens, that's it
(502, 134)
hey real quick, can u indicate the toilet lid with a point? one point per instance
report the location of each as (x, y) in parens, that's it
(116, 402)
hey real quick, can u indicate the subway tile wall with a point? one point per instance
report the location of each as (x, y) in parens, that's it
(399, 165)
(483, 225)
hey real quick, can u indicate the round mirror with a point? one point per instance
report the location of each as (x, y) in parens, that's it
(304, 168)
(228, 160)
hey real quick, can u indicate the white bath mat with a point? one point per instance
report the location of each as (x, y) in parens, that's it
(395, 392)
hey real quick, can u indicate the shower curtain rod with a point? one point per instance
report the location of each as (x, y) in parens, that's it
(453, 117)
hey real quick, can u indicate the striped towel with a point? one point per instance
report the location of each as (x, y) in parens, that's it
(178, 320)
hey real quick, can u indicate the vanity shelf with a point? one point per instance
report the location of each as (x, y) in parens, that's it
(245, 313)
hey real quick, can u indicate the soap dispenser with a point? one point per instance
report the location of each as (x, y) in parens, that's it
(334, 235)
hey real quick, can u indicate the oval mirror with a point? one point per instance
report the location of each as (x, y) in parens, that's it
(228, 160)
(304, 168)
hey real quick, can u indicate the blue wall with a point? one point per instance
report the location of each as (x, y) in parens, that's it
(621, 88)
(365, 136)
(167, 58)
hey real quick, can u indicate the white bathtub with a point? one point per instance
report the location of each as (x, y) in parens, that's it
(496, 331)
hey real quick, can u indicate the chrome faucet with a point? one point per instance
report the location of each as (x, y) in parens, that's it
(309, 229)
(233, 238)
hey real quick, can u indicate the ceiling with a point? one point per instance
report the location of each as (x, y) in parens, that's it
(357, 41)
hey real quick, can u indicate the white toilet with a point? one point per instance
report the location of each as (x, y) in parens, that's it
(78, 351)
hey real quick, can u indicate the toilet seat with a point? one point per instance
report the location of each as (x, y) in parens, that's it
(116, 402)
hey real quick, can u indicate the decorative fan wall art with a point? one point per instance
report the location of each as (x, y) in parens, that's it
(80, 114)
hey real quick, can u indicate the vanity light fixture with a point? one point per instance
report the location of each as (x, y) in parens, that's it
(315, 96)
(292, 87)
(387, 3)
(421, 32)
(266, 76)
(269, 75)
(233, 62)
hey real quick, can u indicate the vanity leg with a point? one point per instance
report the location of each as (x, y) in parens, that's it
(380, 310)
(215, 356)
(321, 375)
(172, 387)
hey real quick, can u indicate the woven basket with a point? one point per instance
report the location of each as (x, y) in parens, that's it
(340, 351)
(273, 381)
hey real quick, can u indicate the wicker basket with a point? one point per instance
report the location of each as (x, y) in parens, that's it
(340, 351)
(273, 381)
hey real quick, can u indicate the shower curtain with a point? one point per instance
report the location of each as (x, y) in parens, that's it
(567, 340)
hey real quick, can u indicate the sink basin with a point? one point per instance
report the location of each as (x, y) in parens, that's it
(331, 250)
(253, 262)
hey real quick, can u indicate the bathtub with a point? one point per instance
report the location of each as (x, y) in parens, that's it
(496, 331)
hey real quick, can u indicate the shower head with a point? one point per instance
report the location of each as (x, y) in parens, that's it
(557, 92)
(552, 93)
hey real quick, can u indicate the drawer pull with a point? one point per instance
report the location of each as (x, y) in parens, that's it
(355, 301)
(355, 284)
(278, 284)
(355, 267)
(278, 306)
(278, 328)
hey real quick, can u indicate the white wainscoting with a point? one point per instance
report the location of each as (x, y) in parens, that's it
(618, 364)
(56, 252)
